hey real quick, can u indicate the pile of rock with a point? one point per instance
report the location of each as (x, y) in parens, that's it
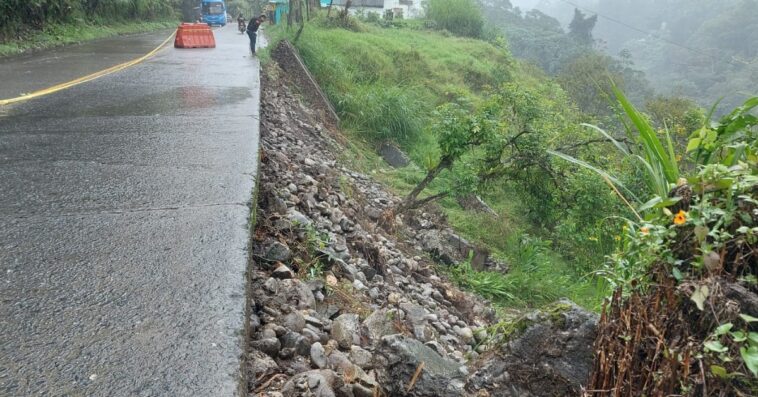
(341, 307)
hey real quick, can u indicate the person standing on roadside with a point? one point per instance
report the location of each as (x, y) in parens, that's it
(252, 30)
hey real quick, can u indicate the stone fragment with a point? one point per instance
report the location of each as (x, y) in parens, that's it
(345, 330)
(296, 293)
(466, 335)
(362, 391)
(261, 364)
(269, 346)
(282, 272)
(358, 285)
(318, 355)
(295, 321)
(361, 357)
(298, 218)
(297, 342)
(379, 324)
(313, 321)
(315, 383)
(278, 252)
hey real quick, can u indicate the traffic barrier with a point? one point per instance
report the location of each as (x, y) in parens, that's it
(194, 35)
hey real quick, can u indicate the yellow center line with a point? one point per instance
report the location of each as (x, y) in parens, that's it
(84, 79)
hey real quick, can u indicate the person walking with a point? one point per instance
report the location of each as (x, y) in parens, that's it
(252, 30)
(241, 25)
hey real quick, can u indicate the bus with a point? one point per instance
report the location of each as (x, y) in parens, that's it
(213, 12)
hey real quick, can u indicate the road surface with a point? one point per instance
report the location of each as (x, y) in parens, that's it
(124, 220)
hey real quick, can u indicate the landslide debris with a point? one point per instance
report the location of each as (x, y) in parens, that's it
(346, 296)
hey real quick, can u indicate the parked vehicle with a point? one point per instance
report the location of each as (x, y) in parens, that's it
(213, 12)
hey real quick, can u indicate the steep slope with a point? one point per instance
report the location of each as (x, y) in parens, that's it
(347, 300)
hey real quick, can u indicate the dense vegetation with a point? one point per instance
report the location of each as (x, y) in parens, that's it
(592, 194)
(28, 24)
(429, 92)
(18, 16)
(700, 49)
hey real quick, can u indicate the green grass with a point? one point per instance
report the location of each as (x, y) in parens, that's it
(386, 83)
(58, 35)
(537, 275)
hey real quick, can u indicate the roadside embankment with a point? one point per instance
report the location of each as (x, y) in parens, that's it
(350, 299)
(72, 33)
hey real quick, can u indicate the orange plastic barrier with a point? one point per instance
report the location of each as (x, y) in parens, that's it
(194, 35)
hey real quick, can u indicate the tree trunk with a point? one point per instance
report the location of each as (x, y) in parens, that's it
(289, 15)
(410, 201)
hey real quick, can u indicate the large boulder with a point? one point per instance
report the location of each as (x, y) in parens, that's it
(401, 358)
(552, 356)
(435, 243)
(450, 248)
(393, 155)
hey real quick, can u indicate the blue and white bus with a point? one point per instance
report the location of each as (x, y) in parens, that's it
(213, 12)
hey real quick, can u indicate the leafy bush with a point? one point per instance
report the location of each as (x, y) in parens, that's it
(461, 17)
(372, 16)
(686, 249)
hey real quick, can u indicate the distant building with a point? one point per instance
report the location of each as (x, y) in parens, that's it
(400, 8)
(277, 10)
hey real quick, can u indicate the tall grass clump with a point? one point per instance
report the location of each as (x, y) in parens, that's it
(460, 17)
(536, 277)
(381, 113)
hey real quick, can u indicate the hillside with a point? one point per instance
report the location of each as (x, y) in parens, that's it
(696, 49)
(568, 210)
(391, 93)
(350, 299)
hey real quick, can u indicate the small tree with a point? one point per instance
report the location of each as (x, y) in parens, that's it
(499, 140)
(458, 131)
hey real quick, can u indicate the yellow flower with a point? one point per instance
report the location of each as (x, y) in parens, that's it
(680, 217)
(645, 231)
(617, 238)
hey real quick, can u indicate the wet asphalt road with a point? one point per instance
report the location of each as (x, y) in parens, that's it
(124, 210)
